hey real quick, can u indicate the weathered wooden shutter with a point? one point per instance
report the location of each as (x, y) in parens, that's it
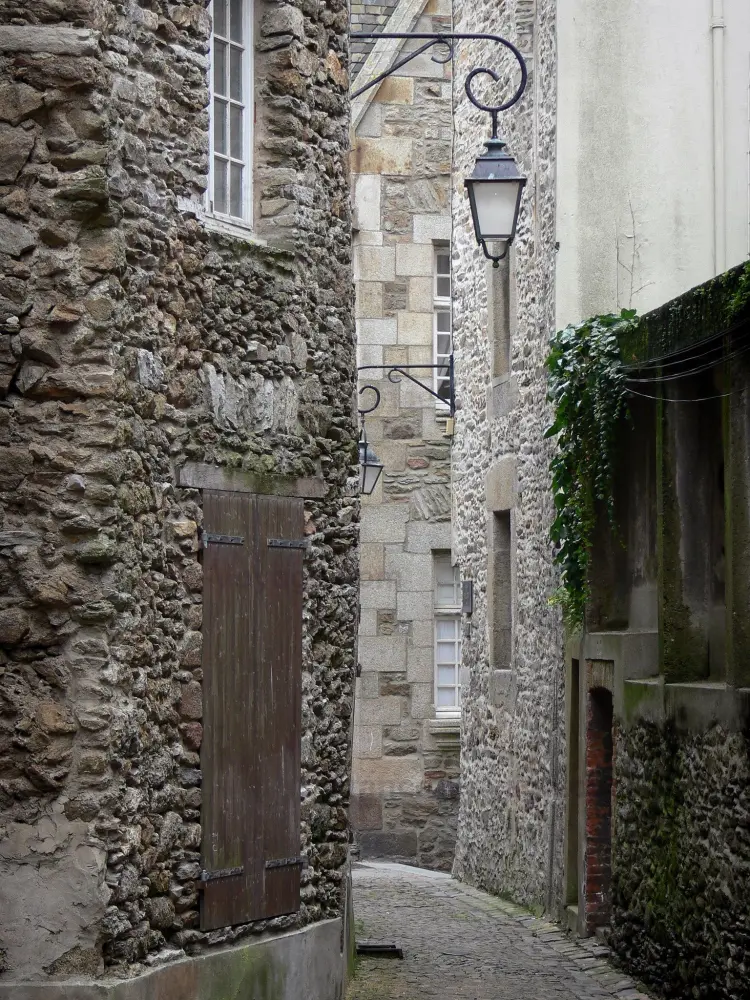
(252, 689)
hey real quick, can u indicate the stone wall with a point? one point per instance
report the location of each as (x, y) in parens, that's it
(512, 757)
(405, 786)
(680, 797)
(681, 903)
(134, 338)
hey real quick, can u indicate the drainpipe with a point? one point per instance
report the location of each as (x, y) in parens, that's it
(718, 27)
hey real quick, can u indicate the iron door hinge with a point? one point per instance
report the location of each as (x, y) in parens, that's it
(287, 862)
(214, 538)
(287, 543)
(206, 876)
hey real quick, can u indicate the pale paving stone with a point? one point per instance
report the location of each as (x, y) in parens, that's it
(462, 944)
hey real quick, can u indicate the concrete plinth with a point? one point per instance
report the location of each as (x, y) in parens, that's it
(307, 963)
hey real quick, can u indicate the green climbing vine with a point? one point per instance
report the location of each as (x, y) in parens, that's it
(586, 384)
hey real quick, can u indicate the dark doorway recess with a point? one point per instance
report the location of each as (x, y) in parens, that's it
(599, 759)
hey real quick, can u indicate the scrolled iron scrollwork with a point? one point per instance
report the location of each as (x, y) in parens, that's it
(447, 39)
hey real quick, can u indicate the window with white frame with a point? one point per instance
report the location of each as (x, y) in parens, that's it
(231, 110)
(443, 323)
(447, 611)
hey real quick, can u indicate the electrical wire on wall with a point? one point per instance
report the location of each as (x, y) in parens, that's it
(672, 367)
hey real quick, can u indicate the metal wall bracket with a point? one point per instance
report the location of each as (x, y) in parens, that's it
(213, 538)
(446, 40)
(220, 873)
(287, 543)
(397, 372)
(287, 862)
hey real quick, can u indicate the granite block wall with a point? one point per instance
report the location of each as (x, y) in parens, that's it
(133, 338)
(405, 784)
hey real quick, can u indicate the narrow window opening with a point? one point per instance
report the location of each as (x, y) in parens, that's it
(447, 613)
(231, 86)
(443, 324)
(501, 586)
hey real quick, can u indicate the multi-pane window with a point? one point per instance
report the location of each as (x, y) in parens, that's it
(443, 347)
(447, 609)
(231, 109)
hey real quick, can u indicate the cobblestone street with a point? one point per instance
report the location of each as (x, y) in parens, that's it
(463, 944)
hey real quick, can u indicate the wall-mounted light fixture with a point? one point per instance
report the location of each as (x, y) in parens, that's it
(370, 466)
(495, 187)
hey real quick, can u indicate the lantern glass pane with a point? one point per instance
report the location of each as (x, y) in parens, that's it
(370, 476)
(495, 203)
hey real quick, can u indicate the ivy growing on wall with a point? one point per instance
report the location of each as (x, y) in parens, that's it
(587, 385)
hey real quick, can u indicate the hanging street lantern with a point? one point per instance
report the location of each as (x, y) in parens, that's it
(370, 467)
(495, 187)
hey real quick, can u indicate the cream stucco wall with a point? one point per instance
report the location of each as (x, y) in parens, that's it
(636, 152)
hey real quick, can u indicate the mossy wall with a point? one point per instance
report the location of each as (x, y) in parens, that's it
(681, 860)
(706, 311)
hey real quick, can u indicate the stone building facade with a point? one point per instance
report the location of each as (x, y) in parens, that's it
(405, 785)
(658, 845)
(510, 837)
(163, 347)
(605, 778)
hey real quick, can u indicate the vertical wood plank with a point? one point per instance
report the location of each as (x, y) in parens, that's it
(252, 662)
(280, 680)
(229, 765)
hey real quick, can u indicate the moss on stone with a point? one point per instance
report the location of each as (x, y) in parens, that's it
(682, 646)
(634, 696)
(701, 313)
(680, 865)
(247, 972)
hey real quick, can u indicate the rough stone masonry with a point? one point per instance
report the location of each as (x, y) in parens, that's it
(133, 338)
(512, 756)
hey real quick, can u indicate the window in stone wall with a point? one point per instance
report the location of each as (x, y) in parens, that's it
(447, 606)
(231, 83)
(443, 343)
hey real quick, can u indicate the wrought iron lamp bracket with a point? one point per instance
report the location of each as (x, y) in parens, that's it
(396, 372)
(447, 39)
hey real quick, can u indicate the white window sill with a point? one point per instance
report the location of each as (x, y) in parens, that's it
(219, 224)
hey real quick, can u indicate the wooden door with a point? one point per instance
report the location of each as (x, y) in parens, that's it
(252, 673)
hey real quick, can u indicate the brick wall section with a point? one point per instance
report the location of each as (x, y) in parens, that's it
(133, 339)
(599, 790)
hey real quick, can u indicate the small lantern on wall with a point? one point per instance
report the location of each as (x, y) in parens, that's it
(495, 189)
(370, 467)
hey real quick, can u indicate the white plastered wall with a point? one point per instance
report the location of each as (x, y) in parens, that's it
(636, 151)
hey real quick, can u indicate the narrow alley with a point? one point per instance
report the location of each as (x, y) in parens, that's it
(463, 944)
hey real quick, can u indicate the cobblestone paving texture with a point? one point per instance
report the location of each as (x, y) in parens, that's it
(463, 944)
